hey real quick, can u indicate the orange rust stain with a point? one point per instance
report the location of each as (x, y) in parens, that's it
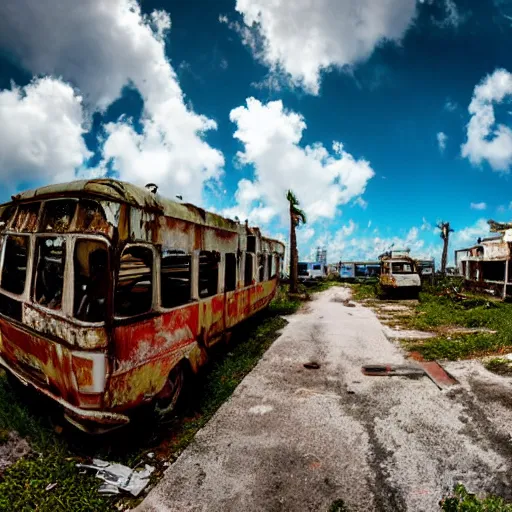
(82, 369)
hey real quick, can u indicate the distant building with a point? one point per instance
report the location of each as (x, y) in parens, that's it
(486, 266)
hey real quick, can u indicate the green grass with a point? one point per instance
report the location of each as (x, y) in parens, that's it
(463, 501)
(54, 457)
(434, 313)
(500, 366)
(365, 291)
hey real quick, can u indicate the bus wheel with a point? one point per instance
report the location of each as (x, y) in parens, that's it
(168, 398)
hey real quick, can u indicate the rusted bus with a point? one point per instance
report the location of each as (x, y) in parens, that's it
(108, 292)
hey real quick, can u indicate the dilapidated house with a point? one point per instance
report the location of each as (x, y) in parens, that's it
(486, 266)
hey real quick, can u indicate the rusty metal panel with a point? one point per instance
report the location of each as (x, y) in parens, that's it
(175, 234)
(146, 351)
(44, 362)
(48, 325)
(220, 241)
(211, 318)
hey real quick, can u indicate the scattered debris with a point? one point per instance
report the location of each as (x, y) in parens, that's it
(312, 365)
(437, 374)
(393, 370)
(14, 448)
(119, 477)
(49, 487)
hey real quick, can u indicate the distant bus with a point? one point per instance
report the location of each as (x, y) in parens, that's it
(312, 270)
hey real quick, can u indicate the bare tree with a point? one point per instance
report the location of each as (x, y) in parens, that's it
(445, 229)
(297, 216)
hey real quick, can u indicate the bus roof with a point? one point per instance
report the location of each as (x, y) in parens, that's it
(120, 191)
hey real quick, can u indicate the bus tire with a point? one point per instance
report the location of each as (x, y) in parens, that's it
(168, 398)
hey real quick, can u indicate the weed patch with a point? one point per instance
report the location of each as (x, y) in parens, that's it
(463, 501)
(500, 366)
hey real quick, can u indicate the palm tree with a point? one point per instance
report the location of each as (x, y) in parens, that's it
(445, 235)
(297, 216)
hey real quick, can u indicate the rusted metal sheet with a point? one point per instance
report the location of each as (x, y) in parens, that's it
(57, 327)
(145, 352)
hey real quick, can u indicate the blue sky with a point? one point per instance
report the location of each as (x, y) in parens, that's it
(384, 116)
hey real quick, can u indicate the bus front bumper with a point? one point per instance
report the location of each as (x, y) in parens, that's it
(91, 421)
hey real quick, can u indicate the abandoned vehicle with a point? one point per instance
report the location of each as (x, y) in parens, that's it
(110, 293)
(399, 273)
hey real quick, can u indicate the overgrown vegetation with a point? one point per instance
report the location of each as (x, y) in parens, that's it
(466, 325)
(435, 313)
(23, 485)
(365, 291)
(463, 501)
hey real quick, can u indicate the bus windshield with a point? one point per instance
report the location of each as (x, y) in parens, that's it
(402, 267)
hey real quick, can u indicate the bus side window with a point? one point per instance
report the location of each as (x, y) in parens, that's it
(269, 266)
(248, 274)
(261, 267)
(208, 273)
(134, 291)
(51, 257)
(91, 280)
(14, 273)
(230, 272)
(175, 278)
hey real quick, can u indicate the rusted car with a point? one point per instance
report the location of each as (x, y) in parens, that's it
(110, 294)
(399, 274)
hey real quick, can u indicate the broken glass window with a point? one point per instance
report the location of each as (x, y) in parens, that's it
(91, 217)
(134, 290)
(51, 258)
(26, 218)
(208, 273)
(175, 278)
(91, 280)
(269, 266)
(14, 272)
(58, 215)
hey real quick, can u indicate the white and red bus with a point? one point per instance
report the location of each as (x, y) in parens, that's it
(109, 293)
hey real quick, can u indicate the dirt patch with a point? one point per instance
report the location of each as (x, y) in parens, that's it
(12, 448)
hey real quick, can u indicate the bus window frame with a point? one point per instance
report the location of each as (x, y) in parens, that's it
(155, 292)
(109, 297)
(193, 299)
(28, 276)
(67, 311)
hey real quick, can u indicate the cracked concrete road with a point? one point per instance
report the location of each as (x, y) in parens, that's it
(296, 439)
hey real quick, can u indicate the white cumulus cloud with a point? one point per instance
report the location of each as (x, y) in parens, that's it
(41, 127)
(470, 234)
(302, 38)
(487, 141)
(441, 141)
(101, 46)
(322, 179)
(478, 206)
